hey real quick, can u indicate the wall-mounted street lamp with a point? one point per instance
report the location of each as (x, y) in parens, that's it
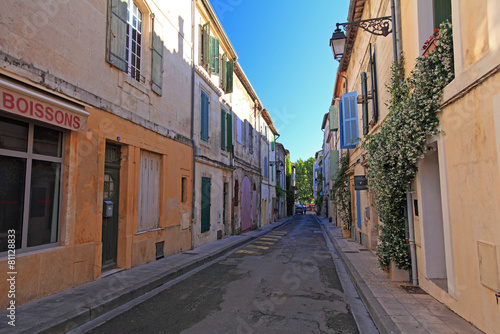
(378, 26)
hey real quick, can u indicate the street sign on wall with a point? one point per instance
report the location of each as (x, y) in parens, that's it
(360, 182)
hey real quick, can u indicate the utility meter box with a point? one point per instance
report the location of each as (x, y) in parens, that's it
(107, 209)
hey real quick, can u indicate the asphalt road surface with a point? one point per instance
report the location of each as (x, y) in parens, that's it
(284, 282)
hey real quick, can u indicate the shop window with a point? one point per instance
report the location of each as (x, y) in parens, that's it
(30, 183)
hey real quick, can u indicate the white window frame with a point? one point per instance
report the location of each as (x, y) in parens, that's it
(30, 156)
(134, 23)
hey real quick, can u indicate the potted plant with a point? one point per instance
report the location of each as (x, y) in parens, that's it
(346, 231)
(430, 44)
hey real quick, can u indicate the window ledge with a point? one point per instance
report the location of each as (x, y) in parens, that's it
(125, 78)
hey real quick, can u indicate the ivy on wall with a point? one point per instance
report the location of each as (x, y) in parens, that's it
(341, 194)
(393, 152)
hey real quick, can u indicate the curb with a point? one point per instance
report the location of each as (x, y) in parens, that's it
(75, 315)
(380, 317)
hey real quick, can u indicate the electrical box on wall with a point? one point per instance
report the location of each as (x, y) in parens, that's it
(107, 209)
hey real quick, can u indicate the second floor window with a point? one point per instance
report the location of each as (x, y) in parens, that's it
(134, 37)
(125, 37)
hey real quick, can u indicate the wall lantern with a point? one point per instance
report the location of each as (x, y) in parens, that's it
(378, 26)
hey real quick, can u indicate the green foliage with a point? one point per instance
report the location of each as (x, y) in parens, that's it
(289, 191)
(394, 151)
(279, 191)
(304, 179)
(341, 193)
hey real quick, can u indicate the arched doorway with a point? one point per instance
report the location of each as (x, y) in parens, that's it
(246, 203)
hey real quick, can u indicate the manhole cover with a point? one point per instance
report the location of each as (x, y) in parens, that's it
(413, 289)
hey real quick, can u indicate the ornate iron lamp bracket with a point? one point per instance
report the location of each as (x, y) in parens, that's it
(378, 26)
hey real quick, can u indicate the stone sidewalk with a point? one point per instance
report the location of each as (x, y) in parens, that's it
(66, 310)
(393, 309)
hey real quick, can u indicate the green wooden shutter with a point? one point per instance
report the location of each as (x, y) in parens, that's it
(272, 143)
(157, 58)
(373, 62)
(223, 72)
(204, 116)
(205, 41)
(334, 164)
(205, 204)
(229, 132)
(116, 52)
(441, 11)
(364, 92)
(229, 76)
(214, 55)
(222, 129)
(334, 118)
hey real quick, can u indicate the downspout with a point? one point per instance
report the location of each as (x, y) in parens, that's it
(260, 162)
(193, 7)
(345, 81)
(411, 239)
(395, 27)
(399, 36)
(231, 161)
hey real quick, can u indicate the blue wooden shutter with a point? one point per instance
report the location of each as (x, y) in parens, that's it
(205, 204)
(204, 116)
(205, 44)
(222, 129)
(229, 132)
(116, 53)
(349, 123)
(358, 209)
(157, 58)
(214, 55)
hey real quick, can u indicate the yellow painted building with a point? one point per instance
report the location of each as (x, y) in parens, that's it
(455, 197)
(95, 144)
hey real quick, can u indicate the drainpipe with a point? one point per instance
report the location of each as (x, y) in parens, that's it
(395, 28)
(193, 7)
(411, 239)
(231, 162)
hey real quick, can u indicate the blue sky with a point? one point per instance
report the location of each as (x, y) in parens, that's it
(283, 48)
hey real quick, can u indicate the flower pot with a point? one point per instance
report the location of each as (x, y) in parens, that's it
(398, 275)
(346, 233)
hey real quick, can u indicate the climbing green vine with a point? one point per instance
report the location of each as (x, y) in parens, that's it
(393, 151)
(341, 195)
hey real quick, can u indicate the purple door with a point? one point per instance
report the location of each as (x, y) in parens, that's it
(246, 202)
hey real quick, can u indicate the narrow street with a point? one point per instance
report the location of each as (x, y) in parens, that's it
(284, 282)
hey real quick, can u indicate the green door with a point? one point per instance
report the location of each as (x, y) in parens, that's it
(205, 204)
(111, 192)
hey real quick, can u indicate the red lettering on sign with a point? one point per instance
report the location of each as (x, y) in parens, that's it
(49, 114)
(8, 202)
(22, 103)
(8, 101)
(59, 117)
(76, 123)
(68, 120)
(38, 110)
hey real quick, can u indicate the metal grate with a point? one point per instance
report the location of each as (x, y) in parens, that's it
(159, 250)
